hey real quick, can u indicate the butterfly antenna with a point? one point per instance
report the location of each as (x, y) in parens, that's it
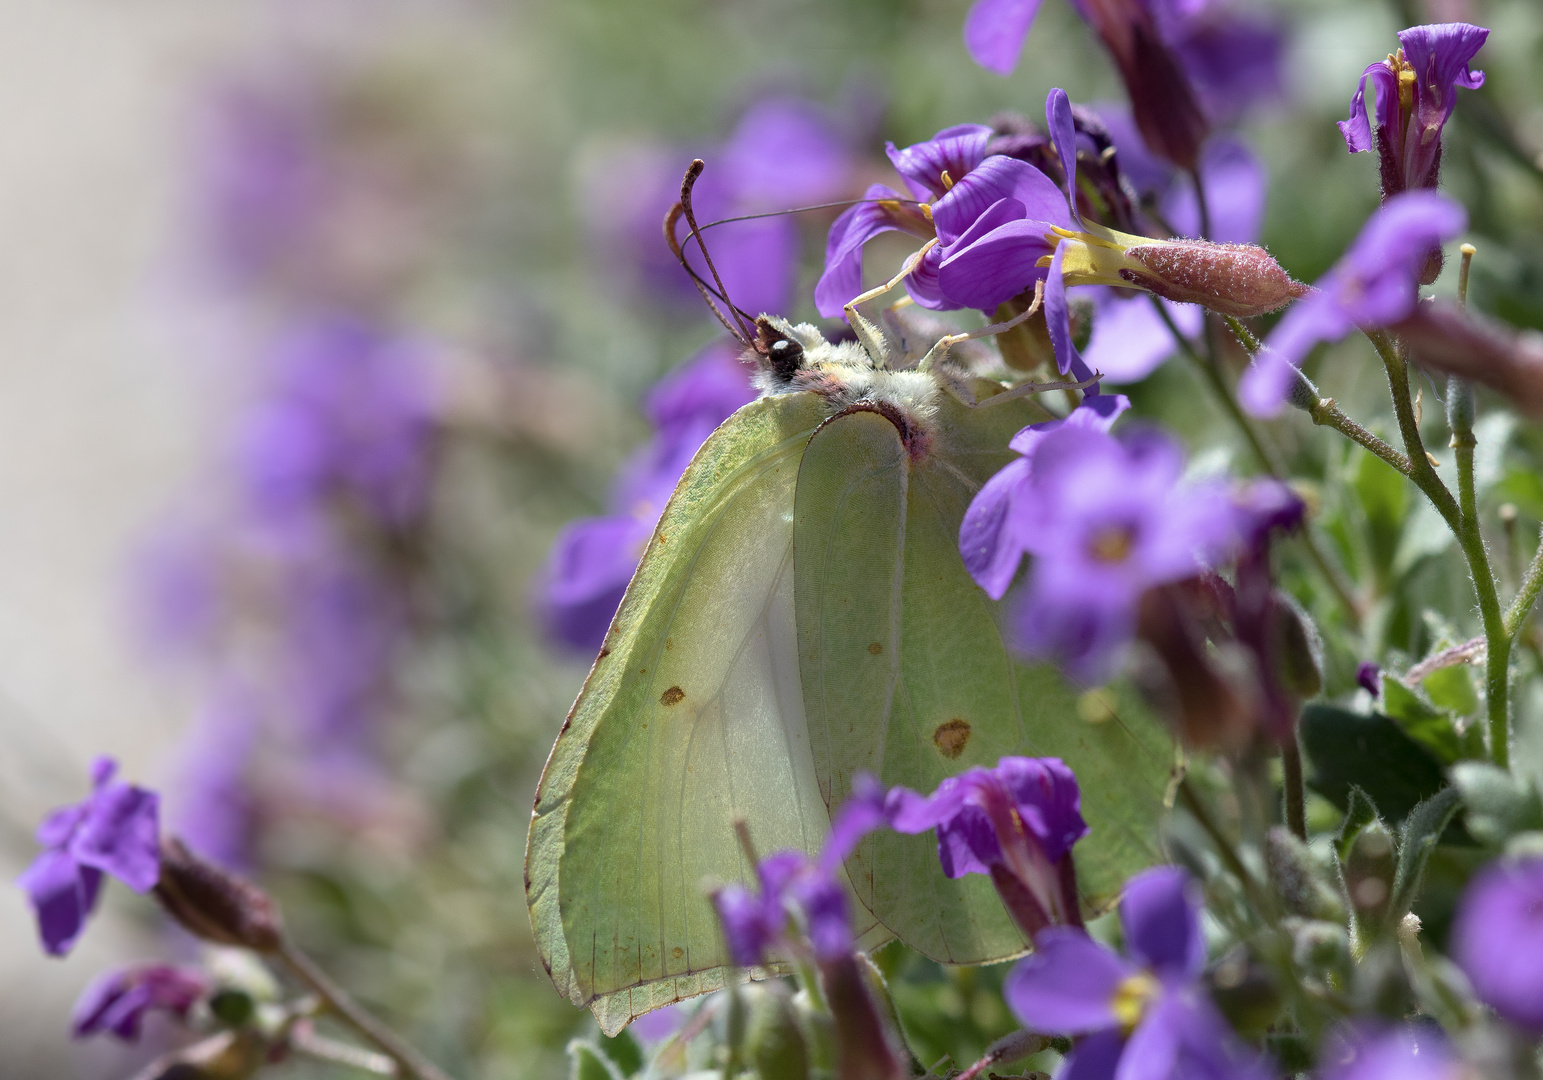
(740, 328)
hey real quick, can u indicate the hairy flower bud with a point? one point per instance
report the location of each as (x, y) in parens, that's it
(1369, 868)
(1298, 879)
(1298, 648)
(1233, 279)
(214, 904)
(775, 1042)
(1443, 335)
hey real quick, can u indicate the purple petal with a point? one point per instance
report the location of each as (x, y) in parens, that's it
(956, 151)
(1358, 129)
(1368, 676)
(842, 279)
(121, 836)
(994, 31)
(1263, 388)
(1439, 54)
(986, 541)
(1048, 798)
(1082, 626)
(1153, 1048)
(1067, 986)
(823, 902)
(1130, 340)
(591, 563)
(749, 925)
(61, 896)
(863, 811)
(1096, 1057)
(1235, 185)
(1379, 272)
(57, 827)
(997, 267)
(1160, 912)
(1063, 132)
(784, 152)
(1098, 412)
(118, 1001)
(1498, 935)
(1058, 316)
(1398, 1054)
(998, 177)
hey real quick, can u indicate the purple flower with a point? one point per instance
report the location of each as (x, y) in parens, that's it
(593, 559)
(784, 152)
(1416, 91)
(351, 416)
(790, 882)
(1146, 1015)
(1106, 519)
(1234, 59)
(1497, 938)
(1015, 823)
(118, 1001)
(1398, 1054)
(213, 807)
(114, 830)
(1375, 283)
(1161, 96)
(1368, 676)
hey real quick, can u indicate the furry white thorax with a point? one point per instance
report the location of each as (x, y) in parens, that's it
(845, 374)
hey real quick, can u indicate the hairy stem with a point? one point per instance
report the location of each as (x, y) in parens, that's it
(1211, 371)
(408, 1060)
(1296, 792)
(1526, 594)
(1463, 520)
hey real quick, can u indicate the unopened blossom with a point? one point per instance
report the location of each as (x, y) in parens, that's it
(1415, 92)
(1497, 939)
(114, 830)
(1105, 519)
(593, 559)
(1016, 824)
(118, 1001)
(1375, 284)
(1368, 676)
(1401, 1053)
(1146, 1014)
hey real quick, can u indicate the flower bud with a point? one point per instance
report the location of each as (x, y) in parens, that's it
(1369, 867)
(214, 904)
(1298, 648)
(1233, 279)
(1460, 409)
(1442, 335)
(1319, 946)
(1302, 394)
(1297, 878)
(865, 1047)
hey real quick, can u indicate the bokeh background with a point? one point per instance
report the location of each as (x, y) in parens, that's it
(320, 319)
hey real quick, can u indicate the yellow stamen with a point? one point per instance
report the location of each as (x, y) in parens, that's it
(926, 210)
(948, 181)
(1113, 544)
(1131, 999)
(1089, 238)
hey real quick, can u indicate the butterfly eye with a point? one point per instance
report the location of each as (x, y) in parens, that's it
(785, 355)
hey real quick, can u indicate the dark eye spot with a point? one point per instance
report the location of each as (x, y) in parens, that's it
(950, 737)
(786, 356)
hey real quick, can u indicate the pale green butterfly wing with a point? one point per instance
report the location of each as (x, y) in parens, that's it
(691, 718)
(907, 676)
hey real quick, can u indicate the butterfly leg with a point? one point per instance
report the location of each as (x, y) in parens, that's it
(872, 338)
(938, 354)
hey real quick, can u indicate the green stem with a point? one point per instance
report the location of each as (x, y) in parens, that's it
(1463, 520)
(1526, 595)
(1327, 414)
(1211, 371)
(1296, 799)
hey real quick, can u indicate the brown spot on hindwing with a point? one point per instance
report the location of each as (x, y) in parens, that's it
(673, 696)
(951, 736)
(875, 647)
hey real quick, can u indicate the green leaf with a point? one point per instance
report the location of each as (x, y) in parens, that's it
(1422, 830)
(1452, 688)
(1360, 812)
(1431, 727)
(588, 1062)
(1500, 805)
(624, 1051)
(1371, 752)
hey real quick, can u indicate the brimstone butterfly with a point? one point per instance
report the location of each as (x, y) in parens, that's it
(801, 614)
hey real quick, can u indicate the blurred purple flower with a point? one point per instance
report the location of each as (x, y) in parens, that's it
(1368, 677)
(1234, 56)
(117, 1001)
(1401, 1053)
(992, 536)
(212, 806)
(1015, 823)
(785, 152)
(1497, 938)
(114, 830)
(789, 882)
(262, 177)
(1416, 91)
(1147, 1015)
(350, 414)
(1106, 519)
(1375, 283)
(593, 559)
